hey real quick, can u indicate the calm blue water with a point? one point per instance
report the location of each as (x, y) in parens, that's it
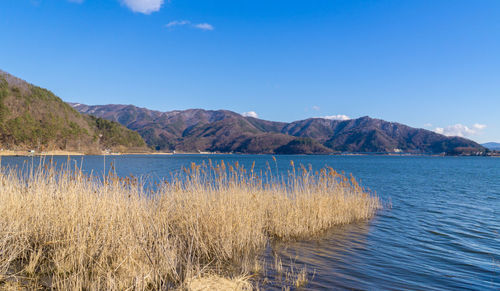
(442, 230)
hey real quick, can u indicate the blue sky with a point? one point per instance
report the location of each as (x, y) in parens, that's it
(426, 63)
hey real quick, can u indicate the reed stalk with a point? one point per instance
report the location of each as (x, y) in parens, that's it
(61, 229)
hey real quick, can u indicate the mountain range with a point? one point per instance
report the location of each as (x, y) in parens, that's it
(494, 146)
(34, 118)
(198, 130)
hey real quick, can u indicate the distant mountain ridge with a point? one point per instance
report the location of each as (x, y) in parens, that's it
(226, 131)
(494, 146)
(34, 118)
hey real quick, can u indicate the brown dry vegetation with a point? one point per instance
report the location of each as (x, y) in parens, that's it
(64, 230)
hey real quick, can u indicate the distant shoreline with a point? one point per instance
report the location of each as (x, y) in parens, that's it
(26, 153)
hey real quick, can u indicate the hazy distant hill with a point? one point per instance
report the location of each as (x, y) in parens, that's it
(227, 131)
(494, 146)
(34, 118)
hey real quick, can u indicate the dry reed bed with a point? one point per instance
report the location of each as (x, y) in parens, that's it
(64, 230)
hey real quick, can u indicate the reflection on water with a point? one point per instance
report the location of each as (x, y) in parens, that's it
(327, 254)
(442, 231)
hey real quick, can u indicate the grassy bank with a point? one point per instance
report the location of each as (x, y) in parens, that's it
(64, 230)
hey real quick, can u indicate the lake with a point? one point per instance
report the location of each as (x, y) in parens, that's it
(439, 229)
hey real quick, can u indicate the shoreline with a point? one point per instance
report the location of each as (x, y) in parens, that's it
(26, 153)
(9, 153)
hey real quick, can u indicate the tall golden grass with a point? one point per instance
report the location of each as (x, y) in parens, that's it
(65, 230)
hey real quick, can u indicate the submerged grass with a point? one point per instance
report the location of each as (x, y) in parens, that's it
(64, 230)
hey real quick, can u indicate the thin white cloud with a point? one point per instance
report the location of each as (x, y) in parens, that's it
(316, 108)
(479, 126)
(250, 114)
(178, 23)
(428, 125)
(175, 23)
(143, 6)
(203, 26)
(337, 117)
(460, 130)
